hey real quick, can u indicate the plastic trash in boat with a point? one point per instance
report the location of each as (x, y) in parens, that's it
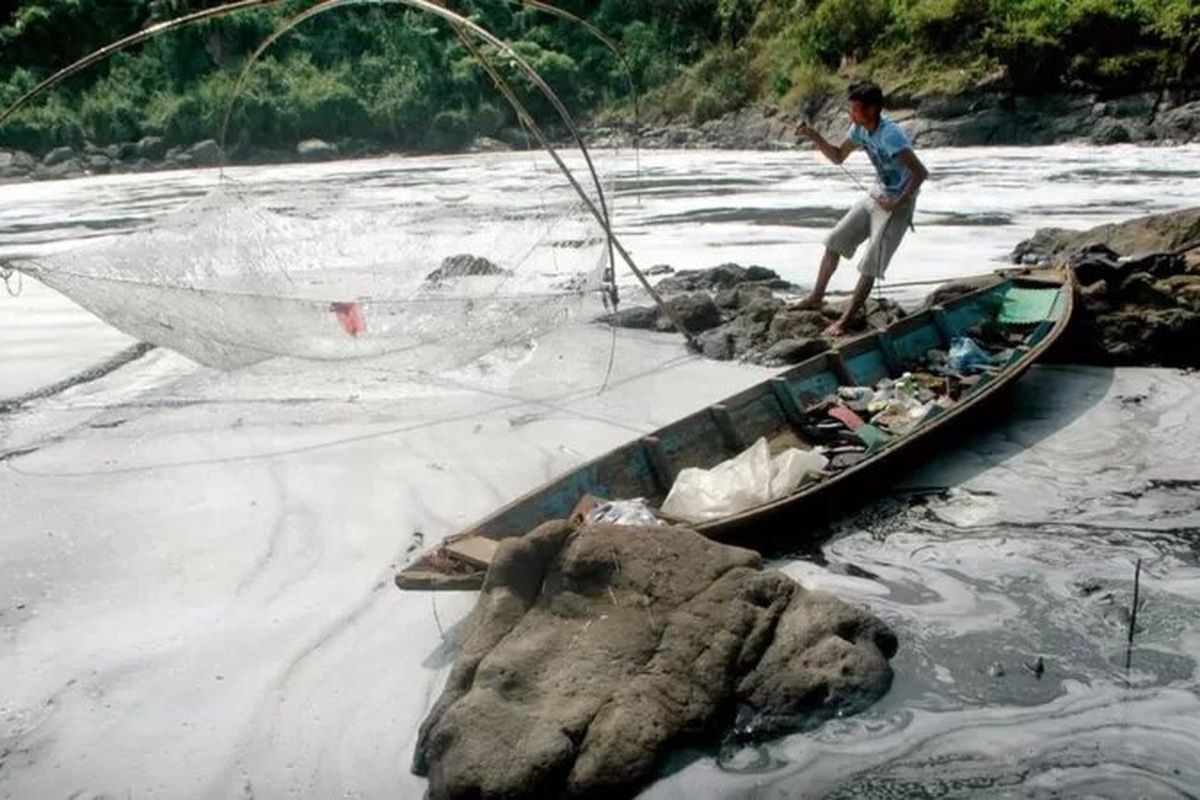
(967, 356)
(623, 512)
(856, 398)
(745, 481)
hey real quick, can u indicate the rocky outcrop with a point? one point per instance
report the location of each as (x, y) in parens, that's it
(1175, 231)
(734, 313)
(1141, 311)
(724, 276)
(594, 651)
(463, 265)
(990, 114)
(1139, 289)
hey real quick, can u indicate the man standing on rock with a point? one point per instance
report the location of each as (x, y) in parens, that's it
(880, 218)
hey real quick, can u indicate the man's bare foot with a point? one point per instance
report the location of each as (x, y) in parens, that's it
(809, 303)
(836, 329)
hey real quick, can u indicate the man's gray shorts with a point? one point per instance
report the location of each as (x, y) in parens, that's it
(866, 221)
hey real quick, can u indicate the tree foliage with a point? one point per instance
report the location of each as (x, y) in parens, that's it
(394, 76)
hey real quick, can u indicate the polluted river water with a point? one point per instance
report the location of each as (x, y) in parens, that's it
(196, 601)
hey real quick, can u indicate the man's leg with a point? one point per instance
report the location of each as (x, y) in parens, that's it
(852, 229)
(816, 298)
(861, 292)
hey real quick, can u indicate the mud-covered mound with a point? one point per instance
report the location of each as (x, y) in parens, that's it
(592, 651)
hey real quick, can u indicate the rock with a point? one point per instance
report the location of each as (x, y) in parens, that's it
(60, 171)
(151, 148)
(1181, 123)
(1142, 288)
(15, 164)
(745, 296)
(592, 652)
(882, 312)
(182, 161)
(206, 153)
(99, 164)
(1095, 297)
(58, 156)
(1185, 289)
(696, 311)
(790, 324)
(660, 269)
(637, 317)
(1161, 265)
(173, 153)
(793, 351)
(316, 150)
(724, 276)
(1111, 133)
(463, 265)
(488, 144)
(1097, 263)
(716, 344)
(1170, 232)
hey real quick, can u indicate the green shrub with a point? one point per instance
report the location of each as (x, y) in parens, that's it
(944, 26)
(810, 86)
(841, 29)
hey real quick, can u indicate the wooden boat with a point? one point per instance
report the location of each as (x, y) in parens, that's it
(779, 409)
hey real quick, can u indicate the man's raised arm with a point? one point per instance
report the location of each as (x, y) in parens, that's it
(835, 154)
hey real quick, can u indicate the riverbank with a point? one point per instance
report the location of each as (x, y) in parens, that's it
(975, 118)
(980, 117)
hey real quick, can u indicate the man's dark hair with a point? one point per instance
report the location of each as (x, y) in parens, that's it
(867, 92)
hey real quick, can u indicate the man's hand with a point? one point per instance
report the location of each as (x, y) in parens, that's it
(804, 129)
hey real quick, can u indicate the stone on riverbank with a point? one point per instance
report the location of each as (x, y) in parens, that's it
(312, 150)
(15, 164)
(594, 651)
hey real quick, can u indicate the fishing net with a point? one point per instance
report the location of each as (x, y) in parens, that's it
(245, 274)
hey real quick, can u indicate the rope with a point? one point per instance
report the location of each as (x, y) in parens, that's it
(7, 272)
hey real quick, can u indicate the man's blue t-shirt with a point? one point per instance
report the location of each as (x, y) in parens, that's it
(882, 147)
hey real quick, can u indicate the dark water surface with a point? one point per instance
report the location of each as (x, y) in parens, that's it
(1007, 567)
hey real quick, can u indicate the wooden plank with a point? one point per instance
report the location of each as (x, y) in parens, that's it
(477, 551)
(423, 578)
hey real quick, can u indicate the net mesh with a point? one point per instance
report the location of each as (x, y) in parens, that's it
(440, 279)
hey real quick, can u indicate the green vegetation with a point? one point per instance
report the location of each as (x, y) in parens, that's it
(398, 78)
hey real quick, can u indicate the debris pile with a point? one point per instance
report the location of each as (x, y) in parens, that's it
(858, 420)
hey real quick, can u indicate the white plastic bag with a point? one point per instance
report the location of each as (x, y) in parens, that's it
(749, 479)
(623, 512)
(791, 468)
